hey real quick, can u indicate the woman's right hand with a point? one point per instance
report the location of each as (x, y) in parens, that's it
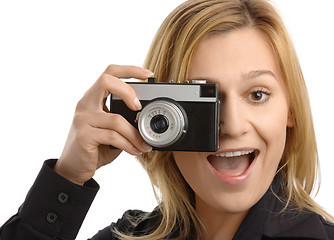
(94, 128)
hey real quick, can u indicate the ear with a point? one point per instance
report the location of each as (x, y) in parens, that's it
(291, 119)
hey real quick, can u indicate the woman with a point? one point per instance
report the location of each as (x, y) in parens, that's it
(256, 186)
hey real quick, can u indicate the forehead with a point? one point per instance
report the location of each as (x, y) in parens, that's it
(235, 52)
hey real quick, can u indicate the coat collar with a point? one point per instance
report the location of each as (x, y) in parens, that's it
(266, 218)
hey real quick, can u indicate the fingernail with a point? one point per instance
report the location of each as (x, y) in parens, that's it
(147, 72)
(136, 151)
(137, 103)
(147, 147)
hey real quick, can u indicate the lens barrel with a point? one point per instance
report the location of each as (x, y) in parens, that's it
(162, 122)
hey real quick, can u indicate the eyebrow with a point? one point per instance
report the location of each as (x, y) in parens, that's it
(247, 76)
(257, 73)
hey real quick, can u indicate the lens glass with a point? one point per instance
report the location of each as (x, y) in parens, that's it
(159, 123)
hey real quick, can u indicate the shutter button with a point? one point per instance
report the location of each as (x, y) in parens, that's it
(63, 197)
(51, 217)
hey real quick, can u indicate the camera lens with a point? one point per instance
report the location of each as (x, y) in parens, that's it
(162, 122)
(159, 124)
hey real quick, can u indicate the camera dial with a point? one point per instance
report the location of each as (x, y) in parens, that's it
(162, 122)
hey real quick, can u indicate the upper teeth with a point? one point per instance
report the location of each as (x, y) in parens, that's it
(234, 154)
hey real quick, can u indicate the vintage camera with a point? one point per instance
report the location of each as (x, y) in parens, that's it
(175, 116)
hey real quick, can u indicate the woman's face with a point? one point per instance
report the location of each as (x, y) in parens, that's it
(254, 118)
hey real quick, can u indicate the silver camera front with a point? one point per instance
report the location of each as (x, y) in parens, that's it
(162, 122)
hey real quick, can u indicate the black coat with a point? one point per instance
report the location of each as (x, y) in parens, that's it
(55, 209)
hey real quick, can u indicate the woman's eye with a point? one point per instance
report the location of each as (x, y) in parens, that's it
(259, 96)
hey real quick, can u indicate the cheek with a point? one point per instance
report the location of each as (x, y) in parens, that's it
(272, 129)
(191, 167)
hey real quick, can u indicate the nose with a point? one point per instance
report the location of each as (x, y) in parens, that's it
(233, 118)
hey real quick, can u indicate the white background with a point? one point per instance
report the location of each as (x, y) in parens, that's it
(51, 52)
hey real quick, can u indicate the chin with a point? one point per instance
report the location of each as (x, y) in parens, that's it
(236, 201)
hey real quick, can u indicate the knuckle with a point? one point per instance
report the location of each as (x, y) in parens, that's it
(104, 80)
(80, 105)
(112, 136)
(117, 119)
(79, 118)
(111, 68)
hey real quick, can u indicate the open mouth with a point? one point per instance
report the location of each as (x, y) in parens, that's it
(234, 163)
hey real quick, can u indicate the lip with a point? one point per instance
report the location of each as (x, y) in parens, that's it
(235, 180)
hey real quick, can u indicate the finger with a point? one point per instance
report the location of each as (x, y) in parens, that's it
(126, 71)
(119, 124)
(94, 98)
(109, 82)
(111, 137)
(115, 86)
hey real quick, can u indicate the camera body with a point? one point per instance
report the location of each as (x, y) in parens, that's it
(175, 116)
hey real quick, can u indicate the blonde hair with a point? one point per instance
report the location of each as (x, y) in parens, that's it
(169, 58)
